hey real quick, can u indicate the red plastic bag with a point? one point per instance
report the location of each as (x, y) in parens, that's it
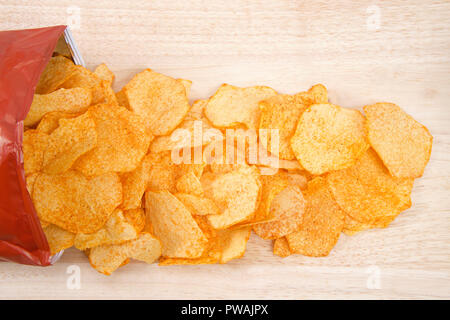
(23, 56)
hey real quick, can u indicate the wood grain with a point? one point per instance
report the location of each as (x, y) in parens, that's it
(289, 45)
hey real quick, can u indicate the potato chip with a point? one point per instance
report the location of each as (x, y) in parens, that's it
(163, 173)
(186, 84)
(135, 217)
(211, 254)
(30, 180)
(281, 247)
(281, 112)
(115, 231)
(75, 203)
(352, 226)
(317, 94)
(69, 100)
(271, 186)
(367, 192)
(174, 226)
(403, 144)
(287, 208)
(236, 193)
(322, 223)
(233, 243)
(191, 133)
(45, 224)
(297, 179)
(196, 112)
(122, 141)
(134, 184)
(103, 72)
(122, 99)
(58, 239)
(50, 122)
(107, 258)
(34, 146)
(84, 78)
(231, 106)
(329, 138)
(198, 205)
(58, 70)
(274, 163)
(192, 167)
(73, 138)
(189, 183)
(159, 99)
(109, 97)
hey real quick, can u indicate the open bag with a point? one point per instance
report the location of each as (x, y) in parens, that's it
(23, 57)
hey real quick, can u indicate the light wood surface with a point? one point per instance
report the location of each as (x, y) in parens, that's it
(288, 45)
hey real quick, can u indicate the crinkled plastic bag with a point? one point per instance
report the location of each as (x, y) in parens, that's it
(23, 57)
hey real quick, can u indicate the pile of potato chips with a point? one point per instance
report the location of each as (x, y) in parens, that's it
(101, 172)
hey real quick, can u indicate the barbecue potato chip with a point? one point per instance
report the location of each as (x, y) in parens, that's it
(174, 226)
(122, 141)
(189, 183)
(146, 248)
(317, 94)
(367, 192)
(30, 180)
(194, 167)
(34, 146)
(198, 205)
(134, 184)
(211, 254)
(403, 144)
(322, 223)
(159, 99)
(186, 84)
(109, 97)
(58, 239)
(50, 121)
(231, 106)
(74, 202)
(281, 112)
(224, 246)
(329, 138)
(58, 70)
(233, 243)
(287, 207)
(163, 173)
(189, 134)
(297, 179)
(84, 78)
(271, 186)
(281, 247)
(135, 217)
(73, 138)
(122, 99)
(107, 258)
(69, 100)
(196, 112)
(103, 72)
(352, 226)
(115, 231)
(236, 193)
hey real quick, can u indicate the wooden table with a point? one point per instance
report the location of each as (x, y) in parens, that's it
(363, 51)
